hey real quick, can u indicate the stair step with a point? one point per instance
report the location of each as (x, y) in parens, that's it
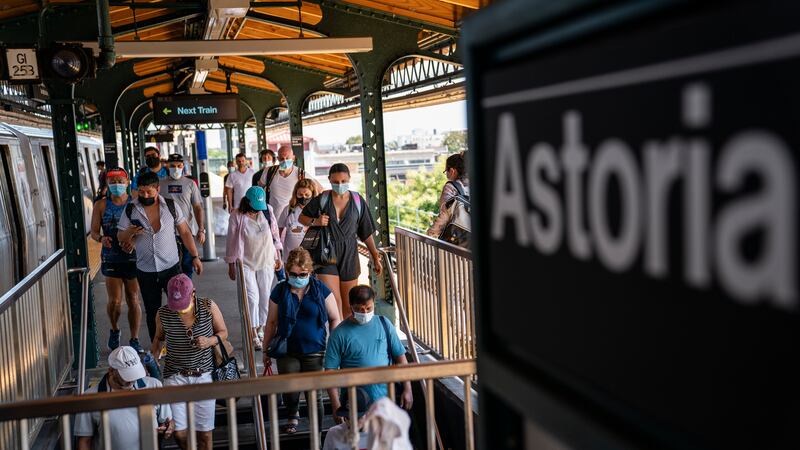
(244, 410)
(247, 435)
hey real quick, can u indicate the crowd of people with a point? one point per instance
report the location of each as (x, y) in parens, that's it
(297, 244)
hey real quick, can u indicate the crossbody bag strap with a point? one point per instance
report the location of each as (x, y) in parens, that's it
(388, 341)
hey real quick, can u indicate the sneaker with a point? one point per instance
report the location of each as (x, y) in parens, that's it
(151, 365)
(261, 333)
(113, 339)
(134, 342)
(257, 343)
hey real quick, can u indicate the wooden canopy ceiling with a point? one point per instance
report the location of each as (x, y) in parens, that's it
(267, 22)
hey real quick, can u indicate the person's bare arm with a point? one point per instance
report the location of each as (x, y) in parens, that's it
(155, 347)
(199, 217)
(333, 311)
(333, 394)
(218, 322)
(229, 198)
(376, 257)
(407, 398)
(84, 443)
(97, 215)
(188, 240)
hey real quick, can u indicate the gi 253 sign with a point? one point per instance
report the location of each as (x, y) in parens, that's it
(642, 187)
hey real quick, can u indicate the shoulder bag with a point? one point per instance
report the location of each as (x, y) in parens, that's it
(228, 369)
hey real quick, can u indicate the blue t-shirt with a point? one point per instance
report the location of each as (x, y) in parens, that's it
(353, 345)
(309, 332)
(161, 175)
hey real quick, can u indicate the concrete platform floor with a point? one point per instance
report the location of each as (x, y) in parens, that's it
(212, 283)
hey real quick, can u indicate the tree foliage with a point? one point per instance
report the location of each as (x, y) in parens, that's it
(354, 140)
(455, 141)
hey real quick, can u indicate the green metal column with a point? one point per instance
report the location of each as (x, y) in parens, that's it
(126, 142)
(295, 104)
(229, 140)
(109, 129)
(261, 134)
(240, 134)
(375, 166)
(62, 100)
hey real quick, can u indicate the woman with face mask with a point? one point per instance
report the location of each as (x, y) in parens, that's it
(300, 309)
(292, 231)
(118, 261)
(344, 215)
(255, 241)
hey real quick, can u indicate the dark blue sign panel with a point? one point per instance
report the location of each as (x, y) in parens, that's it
(637, 204)
(195, 109)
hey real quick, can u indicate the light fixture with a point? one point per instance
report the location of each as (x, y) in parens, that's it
(67, 62)
(239, 47)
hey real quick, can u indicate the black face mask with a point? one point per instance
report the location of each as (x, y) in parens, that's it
(152, 161)
(147, 201)
(302, 201)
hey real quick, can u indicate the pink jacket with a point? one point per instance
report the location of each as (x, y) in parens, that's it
(234, 247)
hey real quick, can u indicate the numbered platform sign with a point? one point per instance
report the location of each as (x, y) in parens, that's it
(22, 64)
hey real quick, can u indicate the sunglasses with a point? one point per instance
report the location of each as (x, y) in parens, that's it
(299, 275)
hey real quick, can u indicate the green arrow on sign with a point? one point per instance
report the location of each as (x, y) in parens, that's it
(166, 111)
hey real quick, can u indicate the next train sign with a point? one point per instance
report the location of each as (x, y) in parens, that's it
(195, 109)
(637, 204)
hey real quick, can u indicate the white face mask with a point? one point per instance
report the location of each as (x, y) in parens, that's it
(363, 318)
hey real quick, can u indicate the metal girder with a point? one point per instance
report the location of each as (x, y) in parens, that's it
(256, 16)
(384, 16)
(25, 29)
(65, 142)
(155, 22)
(261, 101)
(297, 67)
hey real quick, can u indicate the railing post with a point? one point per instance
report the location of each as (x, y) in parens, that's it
(147, 433)
(441, 275)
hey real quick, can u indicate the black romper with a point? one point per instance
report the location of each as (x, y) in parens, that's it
(343, 234)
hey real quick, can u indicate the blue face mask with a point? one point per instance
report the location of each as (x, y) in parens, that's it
(175, 173)
(297, 282)
(286, 164)
(340, 188)
(117, 189)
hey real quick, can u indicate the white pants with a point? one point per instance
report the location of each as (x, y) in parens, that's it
(203, 410)
(259, 285)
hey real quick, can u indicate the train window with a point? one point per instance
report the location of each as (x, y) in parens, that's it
(10, 223)
(86, 184)
(43, 177)
(20, 179)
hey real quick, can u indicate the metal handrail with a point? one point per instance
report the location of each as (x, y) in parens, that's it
(249, 353)
(246, 387)
(404, 326)
(19, 289)
(83, 325)
(438, 243)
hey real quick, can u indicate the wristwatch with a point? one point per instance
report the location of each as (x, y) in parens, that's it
(195, 257)
(202, 230)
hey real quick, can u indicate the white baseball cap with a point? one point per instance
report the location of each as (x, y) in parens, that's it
(126, 361)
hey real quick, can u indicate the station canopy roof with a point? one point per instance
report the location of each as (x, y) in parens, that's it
(437, 23)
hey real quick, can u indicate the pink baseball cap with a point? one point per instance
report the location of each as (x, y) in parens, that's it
(179, 292)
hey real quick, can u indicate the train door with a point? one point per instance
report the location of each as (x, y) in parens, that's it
(48, 232)
(49, 161)
(22, 199)
(9, 269)
(91, 169)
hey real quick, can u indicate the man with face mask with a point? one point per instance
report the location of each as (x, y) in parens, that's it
(151, 222)
(279, 181)
(267, 160)
(365, 340)
(152, 161)
(125, 373)
(186, 195)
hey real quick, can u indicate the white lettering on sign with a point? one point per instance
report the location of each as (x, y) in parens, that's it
(197, 110)
(711, 245)
(22, 64)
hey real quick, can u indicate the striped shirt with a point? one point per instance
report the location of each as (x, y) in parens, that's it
(181, 354)
(155, 252)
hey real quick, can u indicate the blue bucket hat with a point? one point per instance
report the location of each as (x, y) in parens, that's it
(257, 198)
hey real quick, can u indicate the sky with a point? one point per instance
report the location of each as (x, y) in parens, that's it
(444, 117)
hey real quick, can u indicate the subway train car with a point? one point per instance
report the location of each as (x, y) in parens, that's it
(30, 222)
